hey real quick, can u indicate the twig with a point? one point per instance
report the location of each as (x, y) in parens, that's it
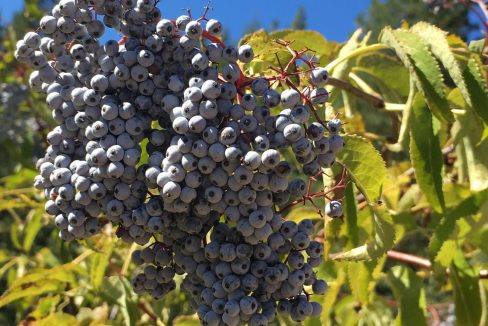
(409, 259)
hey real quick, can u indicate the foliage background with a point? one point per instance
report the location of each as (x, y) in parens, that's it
(412, 97)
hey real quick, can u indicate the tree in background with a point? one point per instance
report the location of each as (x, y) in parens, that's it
(393, 12)
(300, 21)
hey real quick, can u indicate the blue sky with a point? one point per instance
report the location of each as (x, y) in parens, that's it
(236, 15)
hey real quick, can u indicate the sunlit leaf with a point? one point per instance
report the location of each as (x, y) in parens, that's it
(414, 53)
(30, 290)
(426, 155)
(364, 165)
(407, 288)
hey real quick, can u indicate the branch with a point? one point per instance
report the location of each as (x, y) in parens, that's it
(421, 262)
(374, 100)
(409, 259)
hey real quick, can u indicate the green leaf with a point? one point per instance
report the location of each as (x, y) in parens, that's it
(341, 71)
(464, 281)
(477, 46)
(407, 288)
(58, 319)
(117, 290)
(426, 154)
(469, 87)
(414, 53)
(466, 207)
(32, 228)
(472, 143)
(299, 213)
(351, 214)
(323, 49)
(359, 276)
(45, 306)
(331, 296)
(63, 273)
(474, 75)
(186, 321)
(364, 165)
(266, 52)
(30, 290)
(384, 238)
(99, 262)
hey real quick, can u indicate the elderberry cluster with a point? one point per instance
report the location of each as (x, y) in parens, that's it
(208, 203)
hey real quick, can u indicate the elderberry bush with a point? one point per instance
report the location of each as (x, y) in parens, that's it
(208, 204)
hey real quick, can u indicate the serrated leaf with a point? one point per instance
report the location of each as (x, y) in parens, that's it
(444, 256)
(359, 276)
(407, 288)
(331, 296)
(466, 207)
(414, 54)
(467, 300)
(463, 76)
(426, 154)
(384, 238)
(351, 214)
(477, 46)
(99, 262)
(364, 165)
(30, 290)
(474, 75)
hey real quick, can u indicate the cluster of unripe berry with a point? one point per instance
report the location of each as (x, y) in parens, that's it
(207, 202)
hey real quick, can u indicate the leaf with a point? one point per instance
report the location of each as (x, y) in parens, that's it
(99, 262)
(466, 207)
(63, 273)
(58, 319)
(389, 74)
(407, 288)
(351, 214)
(266, 52)
(426, 154)
(466, 291)
(384, 238)
(30, 290)
(476, 85)
(299, 213)
(414, 54)
(477, 46)
(32, 228)
(469, 86)
(186, 321)
(45, 306)
(359, 276)
(117, 290)
(331, 296)
(323, 49)
(364, 165)
(471, 142)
